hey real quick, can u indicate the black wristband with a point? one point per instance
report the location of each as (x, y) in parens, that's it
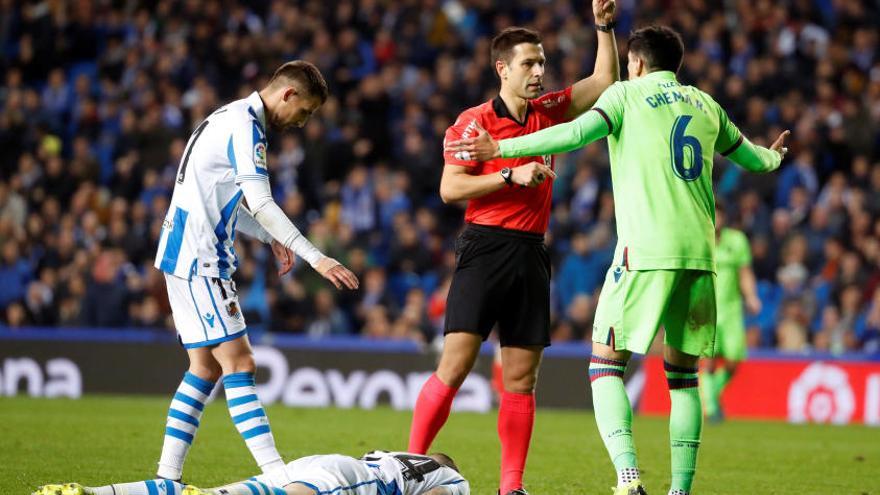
(605, 28)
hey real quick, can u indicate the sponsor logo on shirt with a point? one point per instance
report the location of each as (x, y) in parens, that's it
(553, 101)
(464, 155)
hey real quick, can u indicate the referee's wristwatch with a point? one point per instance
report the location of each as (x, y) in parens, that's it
(507, 175)
(605, 28)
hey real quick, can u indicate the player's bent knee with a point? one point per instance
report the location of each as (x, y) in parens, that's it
(607, 352)
(453, 374)
(524, 385)
(209, 373)
(298, 489)
(679, 358)
(520, 380)
(239, 364)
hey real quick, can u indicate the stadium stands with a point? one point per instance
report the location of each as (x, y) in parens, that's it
(98, 99)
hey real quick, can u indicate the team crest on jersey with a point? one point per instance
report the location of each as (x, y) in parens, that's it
(260, 154)
(232, 309)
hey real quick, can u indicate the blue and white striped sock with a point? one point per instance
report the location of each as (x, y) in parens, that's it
(182, 424)
(250, 487)
(149, 487)
(250, 419)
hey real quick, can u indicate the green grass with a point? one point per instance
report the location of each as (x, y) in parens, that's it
(112, 439)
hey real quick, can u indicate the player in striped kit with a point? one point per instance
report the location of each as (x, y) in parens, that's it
(223, 188)
(376, 473)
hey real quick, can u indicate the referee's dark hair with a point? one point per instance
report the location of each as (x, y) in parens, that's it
(503, 42)
(306, 75)
(660, 46)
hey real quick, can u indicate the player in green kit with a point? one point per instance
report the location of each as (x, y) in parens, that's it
(734, 284)
(661, 139)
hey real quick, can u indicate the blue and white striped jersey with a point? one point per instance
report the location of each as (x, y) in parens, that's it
(227, 148)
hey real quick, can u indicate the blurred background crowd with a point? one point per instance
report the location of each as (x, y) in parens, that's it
(98, 99)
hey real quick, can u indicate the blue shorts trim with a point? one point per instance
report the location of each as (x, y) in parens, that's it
(220, 340)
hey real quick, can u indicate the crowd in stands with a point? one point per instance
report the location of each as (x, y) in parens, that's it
(98, 99)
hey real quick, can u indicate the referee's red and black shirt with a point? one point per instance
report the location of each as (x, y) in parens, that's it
(516, 208)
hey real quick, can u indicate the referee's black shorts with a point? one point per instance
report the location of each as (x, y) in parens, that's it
(500, 276)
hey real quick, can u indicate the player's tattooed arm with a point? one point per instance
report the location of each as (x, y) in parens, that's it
(585, 92)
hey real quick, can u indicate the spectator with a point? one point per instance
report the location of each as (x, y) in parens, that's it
(328, 319)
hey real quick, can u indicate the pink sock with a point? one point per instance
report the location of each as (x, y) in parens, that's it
(516, 417)
(430, 414)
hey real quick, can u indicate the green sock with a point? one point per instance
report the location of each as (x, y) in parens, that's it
(720, 378)
(685, 424)
(613, 411)
(708, 394)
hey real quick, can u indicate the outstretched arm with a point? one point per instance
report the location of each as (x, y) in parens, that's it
(585, 92)
(273, 219)
(585, 129)
(734, 145)
(756, 158)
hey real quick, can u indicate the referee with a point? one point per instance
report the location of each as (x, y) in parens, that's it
(502, 272)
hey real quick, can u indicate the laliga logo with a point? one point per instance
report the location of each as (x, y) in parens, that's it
(821, 394)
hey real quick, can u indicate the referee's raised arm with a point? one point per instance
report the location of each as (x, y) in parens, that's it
(585, 92)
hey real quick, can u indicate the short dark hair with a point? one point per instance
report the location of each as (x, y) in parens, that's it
(444, 460)
(503, 42)
(660, 46)
(304, 73)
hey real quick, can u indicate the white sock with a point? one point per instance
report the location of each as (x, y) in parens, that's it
(149, 487)
(182, 423)
(626, 475)
(250, 420)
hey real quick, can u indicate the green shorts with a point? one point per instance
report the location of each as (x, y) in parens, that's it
(730, 337)
(633, 305)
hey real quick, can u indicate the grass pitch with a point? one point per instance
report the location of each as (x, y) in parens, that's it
(98, 440)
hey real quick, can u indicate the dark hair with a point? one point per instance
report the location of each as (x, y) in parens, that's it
(444, 460)
(304, 73)
(503, 43)
(660, 46)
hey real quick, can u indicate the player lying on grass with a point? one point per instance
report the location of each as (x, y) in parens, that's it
(376, 473)
(662, 137)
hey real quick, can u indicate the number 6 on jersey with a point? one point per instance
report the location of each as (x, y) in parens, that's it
(677, 144)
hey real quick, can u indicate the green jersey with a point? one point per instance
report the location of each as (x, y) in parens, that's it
(661, 139)
(732, 252)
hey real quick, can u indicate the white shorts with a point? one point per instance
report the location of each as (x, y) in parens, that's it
(206, 310)
(332, 473)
